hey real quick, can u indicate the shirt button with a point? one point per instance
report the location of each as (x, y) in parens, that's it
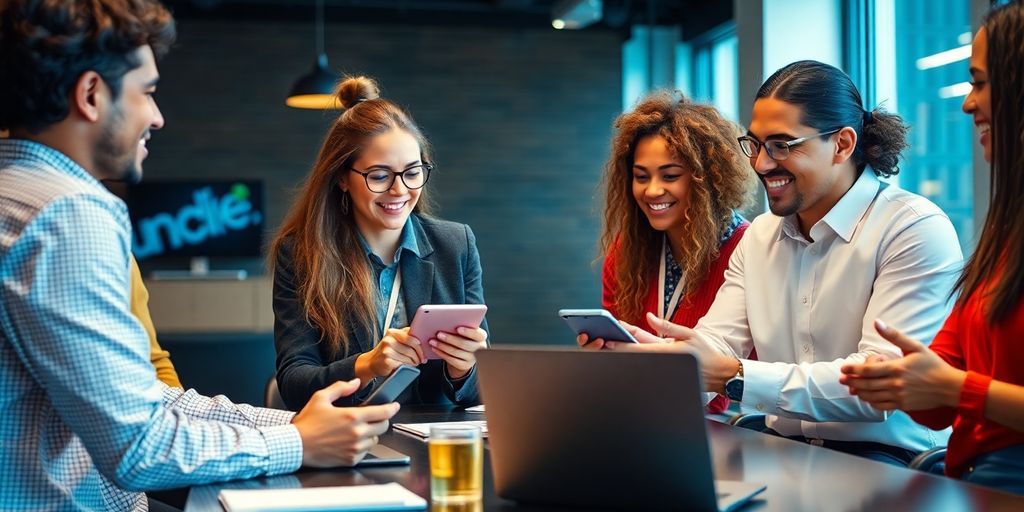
(803, 299)
(760, 407)
(807, 348)
(814, 250)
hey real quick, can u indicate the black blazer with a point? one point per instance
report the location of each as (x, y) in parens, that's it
(447, 272)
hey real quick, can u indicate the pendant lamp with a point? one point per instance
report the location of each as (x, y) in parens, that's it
(315, 90)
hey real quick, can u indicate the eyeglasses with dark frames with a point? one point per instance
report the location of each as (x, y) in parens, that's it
(778, 150)
(381, 180)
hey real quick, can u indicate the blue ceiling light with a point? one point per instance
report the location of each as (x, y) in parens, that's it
(576, 14)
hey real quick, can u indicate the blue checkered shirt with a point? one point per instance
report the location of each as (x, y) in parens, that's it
(83, 419)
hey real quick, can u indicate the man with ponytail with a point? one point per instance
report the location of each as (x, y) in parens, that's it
(806, 281)
(972, 374)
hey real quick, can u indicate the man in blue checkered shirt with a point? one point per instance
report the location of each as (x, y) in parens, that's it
(84, 423)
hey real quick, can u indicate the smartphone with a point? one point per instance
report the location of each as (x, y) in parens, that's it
(381, 455)
(392, 386)
(431, 319)
(597, 323)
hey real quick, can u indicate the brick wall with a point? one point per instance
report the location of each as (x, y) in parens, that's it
(519, 119)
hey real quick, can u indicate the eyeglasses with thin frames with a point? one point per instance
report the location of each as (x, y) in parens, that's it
(778, 150)
(381, 180)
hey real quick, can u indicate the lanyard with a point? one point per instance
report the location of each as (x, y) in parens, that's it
(663, 312)
(393, 300)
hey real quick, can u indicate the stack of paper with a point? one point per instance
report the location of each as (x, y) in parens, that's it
(422, 430)
(353, 498)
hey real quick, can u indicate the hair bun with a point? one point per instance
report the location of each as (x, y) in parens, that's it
(355, 89)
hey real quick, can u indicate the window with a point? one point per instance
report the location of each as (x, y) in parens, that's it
(921, 73)
(715, 70)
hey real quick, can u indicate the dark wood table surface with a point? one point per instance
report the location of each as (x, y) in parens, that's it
(799, 477)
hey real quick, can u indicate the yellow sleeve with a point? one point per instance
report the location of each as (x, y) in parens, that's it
(160, 358)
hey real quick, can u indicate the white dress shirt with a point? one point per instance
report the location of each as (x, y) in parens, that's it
(809, 307)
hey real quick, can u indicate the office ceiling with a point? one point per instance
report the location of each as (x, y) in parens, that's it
(694, 16)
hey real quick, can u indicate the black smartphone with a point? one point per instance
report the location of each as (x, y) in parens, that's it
(392, 386)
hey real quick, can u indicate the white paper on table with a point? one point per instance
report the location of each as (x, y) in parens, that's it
(422, 430)
(476, 408)
(390, 496)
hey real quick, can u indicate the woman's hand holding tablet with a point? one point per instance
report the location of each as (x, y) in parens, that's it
(396, 348)
(450, 332)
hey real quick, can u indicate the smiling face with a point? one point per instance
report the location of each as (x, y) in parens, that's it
(811, 180)
(661, 184)
(121, 146)
(377, 213)
(978, 103)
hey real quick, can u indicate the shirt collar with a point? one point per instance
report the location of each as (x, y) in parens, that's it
(407, 242)
(35, 155)
(845, 215)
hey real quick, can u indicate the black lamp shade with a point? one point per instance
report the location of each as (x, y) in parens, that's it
(315, 90)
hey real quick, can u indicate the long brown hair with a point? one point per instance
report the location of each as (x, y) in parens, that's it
(333, 277)
(722, 182)
(997, 267)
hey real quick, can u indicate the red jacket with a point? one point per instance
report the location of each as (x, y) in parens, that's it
(691, 307)
(986, 352)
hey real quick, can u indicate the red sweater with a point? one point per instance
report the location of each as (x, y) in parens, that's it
(691, 307)
(986, 352)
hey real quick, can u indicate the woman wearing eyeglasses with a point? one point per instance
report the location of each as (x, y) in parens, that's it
(673, 185)
(358, 254)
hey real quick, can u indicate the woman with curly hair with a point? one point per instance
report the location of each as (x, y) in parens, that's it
(674, 183)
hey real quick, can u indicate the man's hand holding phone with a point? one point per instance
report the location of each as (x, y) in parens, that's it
(339, 436)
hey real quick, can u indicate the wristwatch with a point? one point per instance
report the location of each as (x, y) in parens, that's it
(734, 386)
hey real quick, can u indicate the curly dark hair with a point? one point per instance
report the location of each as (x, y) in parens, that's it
(722, 182)
(46, 45)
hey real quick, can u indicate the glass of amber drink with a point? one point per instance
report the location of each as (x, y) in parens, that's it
(456, 463)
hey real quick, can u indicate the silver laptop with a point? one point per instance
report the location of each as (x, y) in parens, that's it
(600, 429)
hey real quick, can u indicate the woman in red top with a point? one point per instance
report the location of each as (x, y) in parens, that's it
(673, 184)
(972, 375)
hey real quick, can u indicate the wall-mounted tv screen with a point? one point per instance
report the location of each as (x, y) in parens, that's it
(196, 218)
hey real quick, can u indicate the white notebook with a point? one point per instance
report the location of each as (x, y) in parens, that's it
(357, 497)
(422, 430)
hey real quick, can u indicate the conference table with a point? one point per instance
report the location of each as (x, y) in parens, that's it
(799, 477)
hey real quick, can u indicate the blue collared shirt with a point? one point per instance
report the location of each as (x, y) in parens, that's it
(386, 275)
(80, 406)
